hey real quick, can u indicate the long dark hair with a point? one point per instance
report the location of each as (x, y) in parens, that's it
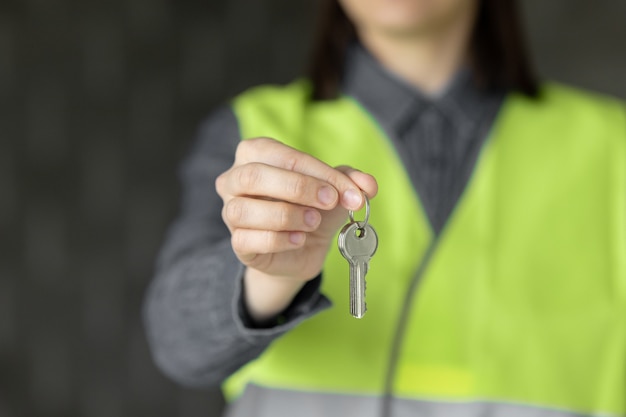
(498, 53)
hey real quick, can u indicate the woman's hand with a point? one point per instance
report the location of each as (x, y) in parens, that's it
(283, 208)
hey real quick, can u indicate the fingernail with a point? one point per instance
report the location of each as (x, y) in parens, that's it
(326, 195)
(352, 198)
(311, 218)
(296, 237)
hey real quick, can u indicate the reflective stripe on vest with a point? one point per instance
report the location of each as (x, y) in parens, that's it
(266, 402)
(522, 297)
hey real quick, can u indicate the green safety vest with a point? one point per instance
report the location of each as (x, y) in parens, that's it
(521, 299)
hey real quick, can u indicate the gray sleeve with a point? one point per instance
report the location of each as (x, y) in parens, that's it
(197, 327)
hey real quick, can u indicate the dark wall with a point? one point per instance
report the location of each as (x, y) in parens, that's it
(98, 101)
(580, 42)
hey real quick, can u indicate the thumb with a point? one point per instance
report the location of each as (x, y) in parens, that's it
(333, 219)
(366, 182)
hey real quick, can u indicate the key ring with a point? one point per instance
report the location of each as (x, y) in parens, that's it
(367, 213)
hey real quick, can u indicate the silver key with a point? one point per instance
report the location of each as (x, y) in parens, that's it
(357, 243)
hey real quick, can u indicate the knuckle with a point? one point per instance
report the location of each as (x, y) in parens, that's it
(337, 180)
(224, 217)
(338, 176)
(251, 147)
(244, 147)
(220, 183)
(292, 160)
(239, 241)
(235, 241)
(235, 211)
(249, 176)
(298, 186)
(260, 242)
(241, 150)
(271, 242)
(284, 216)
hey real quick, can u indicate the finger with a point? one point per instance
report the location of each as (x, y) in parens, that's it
(251, 213)
(366, 182)
(248, 243)
(272, 152)
(261, 180)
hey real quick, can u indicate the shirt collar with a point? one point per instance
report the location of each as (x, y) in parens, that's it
(397, 104)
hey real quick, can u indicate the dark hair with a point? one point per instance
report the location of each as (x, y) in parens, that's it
(498, 51)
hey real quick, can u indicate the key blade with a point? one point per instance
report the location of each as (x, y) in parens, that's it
(358, 307)
(357, 243)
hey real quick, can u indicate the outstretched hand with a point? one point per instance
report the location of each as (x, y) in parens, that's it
(283, 208)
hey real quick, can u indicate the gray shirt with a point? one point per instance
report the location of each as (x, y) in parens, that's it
(196, 322)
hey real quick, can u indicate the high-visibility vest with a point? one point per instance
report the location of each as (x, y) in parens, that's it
(518, 307)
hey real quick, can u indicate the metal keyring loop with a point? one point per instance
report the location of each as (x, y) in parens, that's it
(363, 223)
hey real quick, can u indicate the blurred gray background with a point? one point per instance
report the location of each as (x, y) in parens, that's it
(99, 99)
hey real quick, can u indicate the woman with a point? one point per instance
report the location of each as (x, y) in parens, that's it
(499, 285)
